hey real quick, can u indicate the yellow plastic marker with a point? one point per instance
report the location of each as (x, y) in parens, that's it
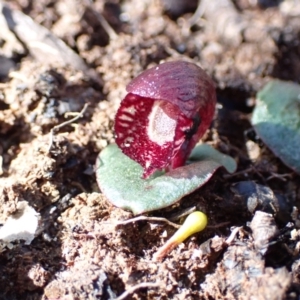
(195, 222)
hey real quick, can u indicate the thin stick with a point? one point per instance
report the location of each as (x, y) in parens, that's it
(137, 287)
(143, 218)
(280, 176)
(249, 170)
(183, 213)
(218, 225)
(57, 127)
(1, 165)
(109, 30)
(233, 235)
(197, 15)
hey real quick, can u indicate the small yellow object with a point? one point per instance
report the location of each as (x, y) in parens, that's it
(195, 222)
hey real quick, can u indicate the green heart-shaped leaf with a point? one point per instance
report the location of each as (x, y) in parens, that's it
(120, 180)
(276, 119)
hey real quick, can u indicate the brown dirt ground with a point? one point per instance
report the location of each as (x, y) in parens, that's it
(78, 253)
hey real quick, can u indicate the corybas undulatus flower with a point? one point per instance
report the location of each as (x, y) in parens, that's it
(167, 110)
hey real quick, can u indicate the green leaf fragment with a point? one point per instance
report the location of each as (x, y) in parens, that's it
(276, 119)
(204, 151)
(120, 180)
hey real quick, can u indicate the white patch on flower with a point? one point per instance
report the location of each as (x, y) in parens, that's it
(124, 124)
(179, 142)
(161, 128)
(185, 128)
(130, 110)
(147, 164)
(125, 118)
(129, 139)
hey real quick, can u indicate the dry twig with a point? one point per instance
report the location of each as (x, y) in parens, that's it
(233, 235)
(182, 213)
(57, 127)
(282, 177)
(144, 218)
(217, 225)
(109, 30)
(137, 287)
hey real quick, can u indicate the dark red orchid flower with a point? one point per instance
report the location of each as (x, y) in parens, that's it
(167, 110)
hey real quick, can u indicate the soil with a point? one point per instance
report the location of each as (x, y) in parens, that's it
(250, 250)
